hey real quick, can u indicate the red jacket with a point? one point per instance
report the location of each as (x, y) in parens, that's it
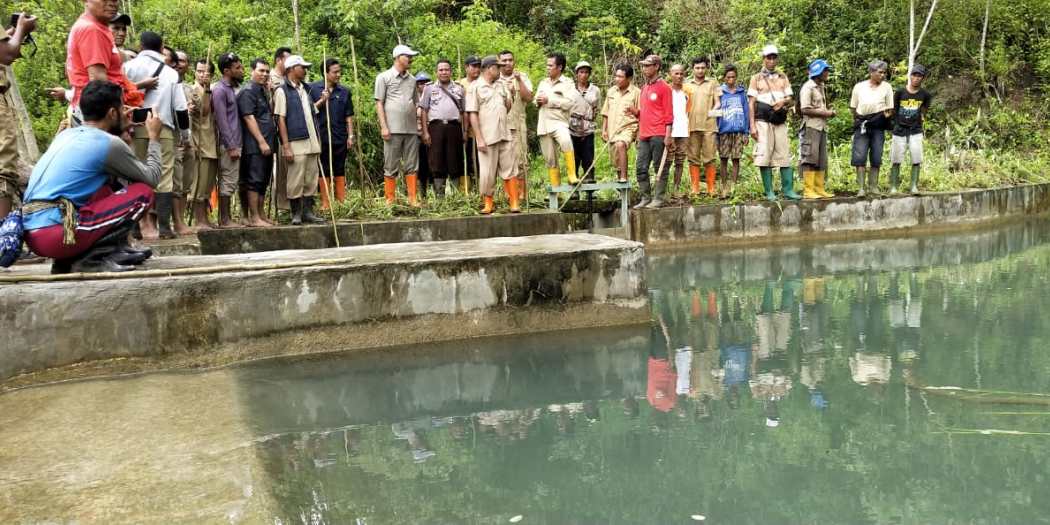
(657, 110)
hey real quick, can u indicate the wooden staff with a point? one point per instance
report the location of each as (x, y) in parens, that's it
(331, 163)
(466, 149)
(357, 136)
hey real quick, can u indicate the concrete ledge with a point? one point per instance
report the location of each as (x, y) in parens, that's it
(842, 217)
(435, 290)
(249, 240)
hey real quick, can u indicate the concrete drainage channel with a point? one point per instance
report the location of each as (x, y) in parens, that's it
(362, 297)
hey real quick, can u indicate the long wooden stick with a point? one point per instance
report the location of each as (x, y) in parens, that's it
(174, 272)
(357, 136)
(465, 182)
(331, 163)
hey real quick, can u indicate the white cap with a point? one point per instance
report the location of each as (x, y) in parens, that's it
(295, 60)
(402, 49)
(770, 49)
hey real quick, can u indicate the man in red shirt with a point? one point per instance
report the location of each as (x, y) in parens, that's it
(91, 53)
(655, 115)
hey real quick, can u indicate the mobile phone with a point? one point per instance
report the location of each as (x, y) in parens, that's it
(139, 115)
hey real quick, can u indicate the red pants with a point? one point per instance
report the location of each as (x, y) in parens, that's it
(98, 217)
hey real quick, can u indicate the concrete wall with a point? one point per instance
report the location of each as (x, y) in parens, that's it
(843, 217)
(248, 240)
(437, 290)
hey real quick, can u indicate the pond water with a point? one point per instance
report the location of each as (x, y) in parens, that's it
(775, 385)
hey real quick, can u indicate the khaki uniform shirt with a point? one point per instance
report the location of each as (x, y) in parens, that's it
(811, 96)
(397, 92)
(490, 101)
(704, 96)
(617, 121)
(517, 110)
(203, 123)
(280, 109)
(276, 80)
(866, 99)
(554, 114)
(769, 88)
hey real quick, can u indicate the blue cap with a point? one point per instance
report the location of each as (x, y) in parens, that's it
(819, 66)
(422, 77)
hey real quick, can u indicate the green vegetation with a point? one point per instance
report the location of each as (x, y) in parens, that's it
(988, 126)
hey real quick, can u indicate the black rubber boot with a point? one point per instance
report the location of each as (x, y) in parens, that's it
(296, 206)
(165, 202)
(643, 188)
(439, 187)
(308, 212)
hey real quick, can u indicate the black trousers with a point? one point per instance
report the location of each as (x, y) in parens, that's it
(584, 148)
(423, 167)
(471, 148)
(255, 172)
(339, 153)
(446, 149)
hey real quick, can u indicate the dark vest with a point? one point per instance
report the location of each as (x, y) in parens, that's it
(295, 120)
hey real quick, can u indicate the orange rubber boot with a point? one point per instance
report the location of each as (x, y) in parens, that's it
(324, 193)
(710, 173)
(389, 189)
(340, 189)
(412, 181)
(513, 194)
(694, 180)
(487, 210)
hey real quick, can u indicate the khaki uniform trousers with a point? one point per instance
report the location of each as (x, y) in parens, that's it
(501, 159)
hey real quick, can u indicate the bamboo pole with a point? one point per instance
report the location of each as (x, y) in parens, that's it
(331, 163)
(174, 272)
(357, 136)
(465, 182)
(295, 16)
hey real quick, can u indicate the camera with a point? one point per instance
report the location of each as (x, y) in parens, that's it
(139, 115)
(28, 39)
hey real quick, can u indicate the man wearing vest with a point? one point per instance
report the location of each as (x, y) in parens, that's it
(168, 102)
(300, 140)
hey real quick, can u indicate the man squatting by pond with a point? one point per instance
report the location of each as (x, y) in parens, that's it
(278, 124)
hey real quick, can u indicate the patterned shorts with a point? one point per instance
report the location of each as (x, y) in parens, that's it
(731, 145)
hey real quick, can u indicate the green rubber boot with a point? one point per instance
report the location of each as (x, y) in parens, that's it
(767, 183)
(787, 184)
(895, 178)
(915, 178)
(860, 182)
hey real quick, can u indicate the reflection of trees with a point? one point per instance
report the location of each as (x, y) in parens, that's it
(847, 450)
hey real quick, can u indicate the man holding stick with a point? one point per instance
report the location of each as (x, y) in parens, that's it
(521, 94)
(228, 124)
(204, 143)
(472, 67)
(339, 117)
(655, 116)
(300, 140)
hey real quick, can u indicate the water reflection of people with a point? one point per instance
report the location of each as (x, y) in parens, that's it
(736, 350)
(813, 322)
(868, 364)
(412, 432)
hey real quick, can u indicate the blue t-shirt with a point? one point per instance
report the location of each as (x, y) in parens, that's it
(71, 168)
(79, 161)
(734, 108)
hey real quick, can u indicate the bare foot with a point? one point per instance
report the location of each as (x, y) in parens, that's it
(229, 225)
(205, 226)
(259, 223)
(149, 232)
(182, 230)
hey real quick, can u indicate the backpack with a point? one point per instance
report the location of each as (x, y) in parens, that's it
(11, 239)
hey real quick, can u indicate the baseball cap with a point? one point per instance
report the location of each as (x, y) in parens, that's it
(121, 18)
(295, 60)
(402, 49)
(651, 60)
(919, 69)
(582, 64)
(422, 77)
(819, 66)
(473, 60)
(770, 49)
(489, 61)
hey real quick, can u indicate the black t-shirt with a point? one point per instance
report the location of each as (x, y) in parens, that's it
(909, 108)
(253, 100)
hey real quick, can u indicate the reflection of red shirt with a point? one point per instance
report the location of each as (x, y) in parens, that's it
(656, 110)
(660, 390)
(91, 43)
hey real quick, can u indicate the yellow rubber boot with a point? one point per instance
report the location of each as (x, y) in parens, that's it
(807, 183)
(570, 166)
(818, 184)
(555, 176)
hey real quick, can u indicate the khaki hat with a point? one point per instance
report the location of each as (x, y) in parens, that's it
(651, 60)
(582, 64)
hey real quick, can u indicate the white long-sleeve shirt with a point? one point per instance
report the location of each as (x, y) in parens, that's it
(167, 97)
